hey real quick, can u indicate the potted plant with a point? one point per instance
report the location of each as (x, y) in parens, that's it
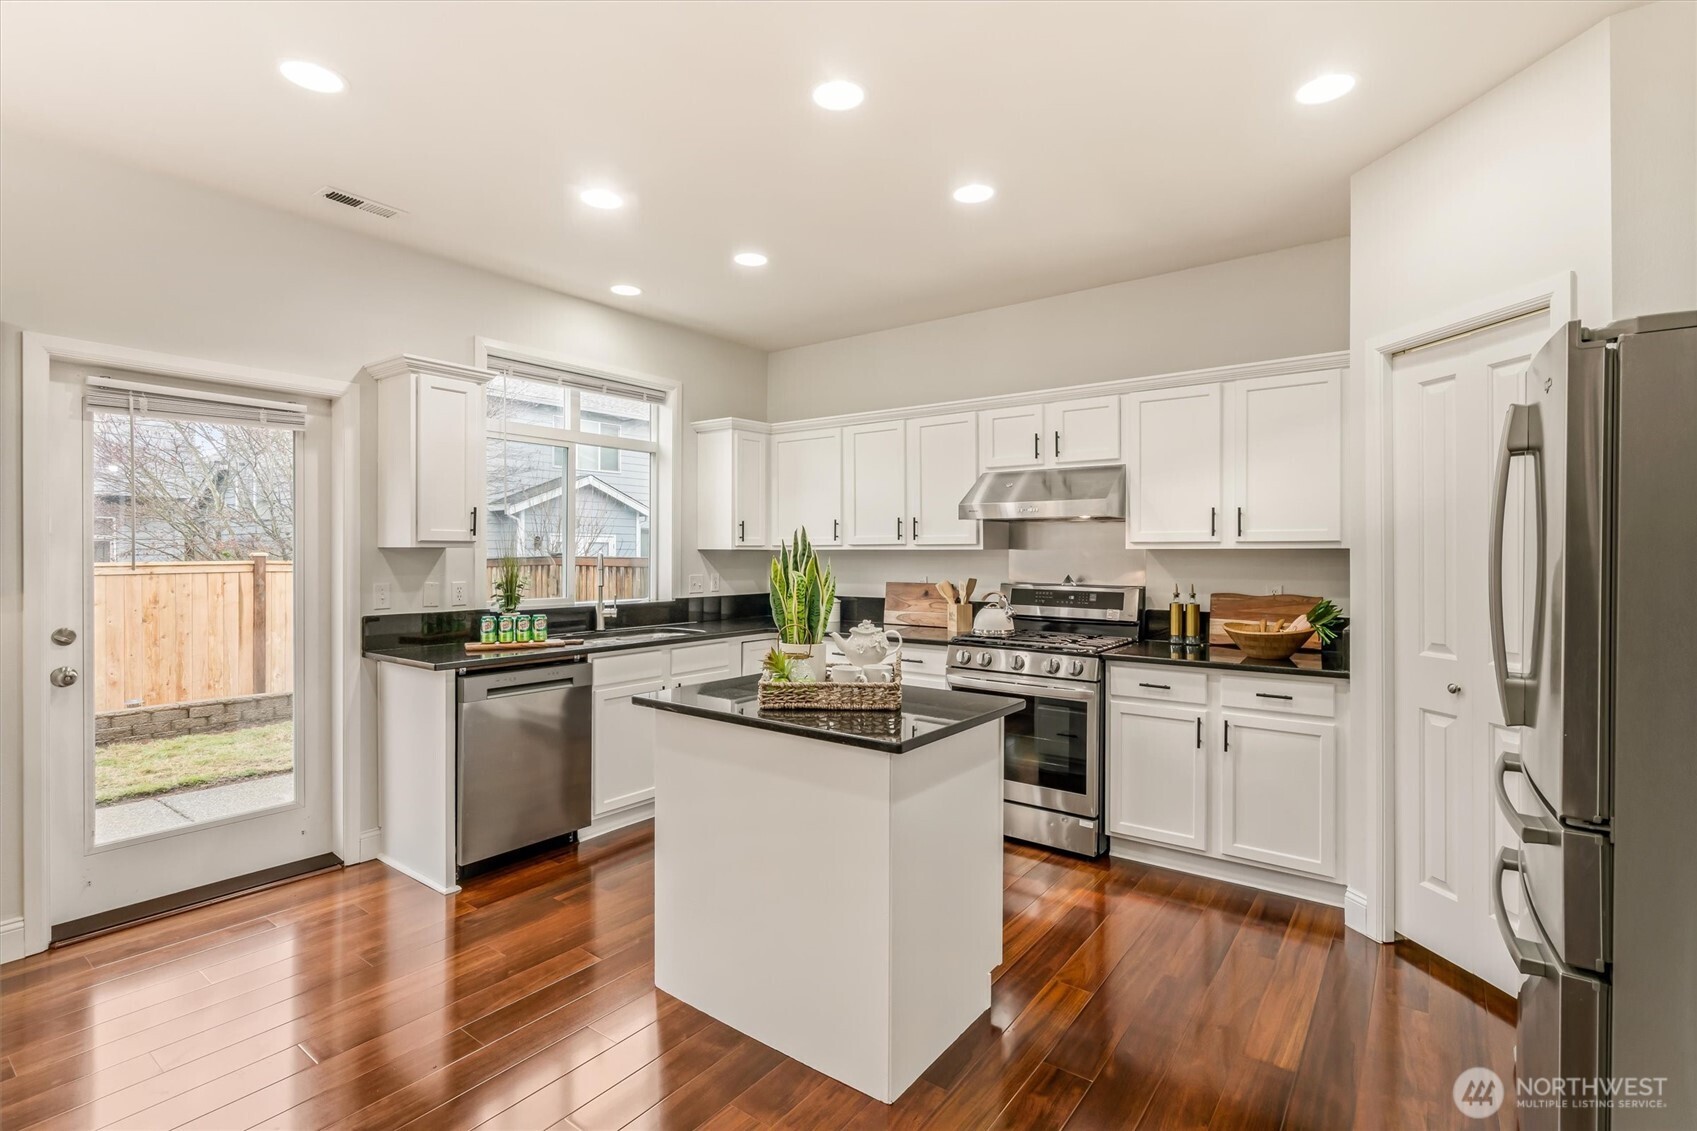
(510, 584)
(801, 590)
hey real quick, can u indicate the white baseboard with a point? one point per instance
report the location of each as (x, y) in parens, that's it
(1355, 911)
(619, 820)
(412, 875)
(1249, 875)
(11, 939)
(370, 846)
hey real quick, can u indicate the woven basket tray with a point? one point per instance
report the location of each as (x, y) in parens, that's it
(832, 696)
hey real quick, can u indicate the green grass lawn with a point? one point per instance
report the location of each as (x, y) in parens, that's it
(125, 771)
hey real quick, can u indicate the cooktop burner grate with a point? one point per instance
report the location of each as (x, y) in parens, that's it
(1070, 643)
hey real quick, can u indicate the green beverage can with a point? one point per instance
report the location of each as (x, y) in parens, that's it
(486, 628)
(539, 626)
(506, 628)
(521, 628)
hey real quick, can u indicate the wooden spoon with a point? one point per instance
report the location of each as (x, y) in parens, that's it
(971, 584)
(947, 590)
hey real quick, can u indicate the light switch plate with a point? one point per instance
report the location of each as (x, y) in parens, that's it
(457, 591)
(432, 598)
(712, 583)
(380, 595)
(695, 585)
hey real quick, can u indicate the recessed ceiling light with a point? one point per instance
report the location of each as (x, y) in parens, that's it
(750, 259)
(1324, 89)
(626, 289)
(601, 198)
(974, 193)
(839, 94)
(312, 76)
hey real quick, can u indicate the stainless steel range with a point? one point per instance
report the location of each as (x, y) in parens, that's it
(1052, 757)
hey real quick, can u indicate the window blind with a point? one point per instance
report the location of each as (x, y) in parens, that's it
(182, 404)
(583, 382)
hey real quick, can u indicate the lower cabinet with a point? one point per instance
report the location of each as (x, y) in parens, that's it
(754, 654)
(1158, 783)
(1278, 791)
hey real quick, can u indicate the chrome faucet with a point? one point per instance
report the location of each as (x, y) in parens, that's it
(605, 610)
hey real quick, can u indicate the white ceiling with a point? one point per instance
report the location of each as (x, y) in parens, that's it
(1124, 140)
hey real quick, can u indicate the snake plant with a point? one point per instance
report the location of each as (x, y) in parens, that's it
(801, 591)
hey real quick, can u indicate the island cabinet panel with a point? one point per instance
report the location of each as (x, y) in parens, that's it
(1278, 794)
(807, 485)
(1158, 777)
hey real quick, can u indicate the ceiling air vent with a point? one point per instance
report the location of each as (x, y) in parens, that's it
(363, 204)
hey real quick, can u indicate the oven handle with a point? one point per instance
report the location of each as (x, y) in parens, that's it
(1022, 687)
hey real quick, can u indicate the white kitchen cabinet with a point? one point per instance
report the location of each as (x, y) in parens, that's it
(1158, 773)
(753, 654)
(622, 762)
(1172, 474)
(430, 452)
(1084, 430)
(942, 465)
(1278, 791)
(1011, 437)
(1284, 437)
(923, 665)
(875, 509)
(807, 485)
(731, 485)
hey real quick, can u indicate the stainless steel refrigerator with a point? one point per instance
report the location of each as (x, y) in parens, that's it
(1607, 700)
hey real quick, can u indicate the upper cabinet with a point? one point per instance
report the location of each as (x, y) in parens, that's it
(875, 511)
(1058, 434)
(1251, 462)
(807, 485)
(430, 452)
(730, 485)
(942, 465)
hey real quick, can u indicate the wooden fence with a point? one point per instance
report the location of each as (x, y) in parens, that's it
(173, 632)
(627, 578)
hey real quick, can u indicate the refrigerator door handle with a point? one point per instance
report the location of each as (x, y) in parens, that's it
(1528, 830)
(1529, 957)
(1522, 436)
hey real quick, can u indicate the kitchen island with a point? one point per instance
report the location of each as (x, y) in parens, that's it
(829, 883)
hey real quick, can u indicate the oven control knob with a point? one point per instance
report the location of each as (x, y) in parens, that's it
(1017, 663)
(1076, 668)
(964, 656)
(984, 659)
(1051, 666)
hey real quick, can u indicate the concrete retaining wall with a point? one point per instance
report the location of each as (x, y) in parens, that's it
(172, 720)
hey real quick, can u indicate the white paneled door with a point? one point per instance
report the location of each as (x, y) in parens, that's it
(1448, 402)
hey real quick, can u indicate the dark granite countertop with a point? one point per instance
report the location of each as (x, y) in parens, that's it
(927, 714)
(452, 655)
(1327, 665)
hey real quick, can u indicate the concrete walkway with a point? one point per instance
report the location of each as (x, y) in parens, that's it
(158, 814)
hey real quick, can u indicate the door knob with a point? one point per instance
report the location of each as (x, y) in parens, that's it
(64, 636)
(1455, 689)
(62, 677)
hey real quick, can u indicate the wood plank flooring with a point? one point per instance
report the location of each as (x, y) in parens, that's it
(1129, 997)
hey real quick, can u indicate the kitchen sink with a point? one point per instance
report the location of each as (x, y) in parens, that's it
(644, 636)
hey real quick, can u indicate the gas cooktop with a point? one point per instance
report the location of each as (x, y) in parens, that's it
(1065, 643)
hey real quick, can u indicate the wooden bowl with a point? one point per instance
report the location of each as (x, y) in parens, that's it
(1259, 645)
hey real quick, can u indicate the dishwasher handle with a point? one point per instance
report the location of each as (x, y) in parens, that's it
(476, 688)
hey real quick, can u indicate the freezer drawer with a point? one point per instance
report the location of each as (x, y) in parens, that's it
(1566, 872)
(524, 757)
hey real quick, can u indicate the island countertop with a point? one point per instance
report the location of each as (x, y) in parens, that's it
(927, 714)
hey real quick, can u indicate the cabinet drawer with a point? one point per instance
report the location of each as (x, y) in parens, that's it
(691, 659)
(1284, 696)
(629, 667)
(1127, 681)
(923, 661)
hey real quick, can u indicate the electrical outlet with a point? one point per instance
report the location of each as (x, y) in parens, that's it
(457, 589)
(380, 595)
(695, 585)
(712, 583)
(1275, 589)
(432, 598)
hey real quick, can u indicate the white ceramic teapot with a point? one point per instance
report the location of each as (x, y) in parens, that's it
(867, 644)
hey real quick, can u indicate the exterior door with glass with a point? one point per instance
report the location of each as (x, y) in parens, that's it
(187, 735)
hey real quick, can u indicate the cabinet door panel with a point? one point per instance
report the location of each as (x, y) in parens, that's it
(875, 484)
(748, 486)
(623, 756)
(1011, 437)
(1278, 792)
(942, 464)
(1172, 485)
(1158, 775)
(1083, 431)
(1286, 437)
(754, 654)
(449, 457)
(807, 485)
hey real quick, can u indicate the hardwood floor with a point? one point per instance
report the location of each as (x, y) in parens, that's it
(1128, 997)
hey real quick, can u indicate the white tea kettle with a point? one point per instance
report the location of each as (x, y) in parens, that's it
(995, 618)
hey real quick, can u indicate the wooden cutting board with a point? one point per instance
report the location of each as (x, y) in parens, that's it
(915, 603)
(1251, 607)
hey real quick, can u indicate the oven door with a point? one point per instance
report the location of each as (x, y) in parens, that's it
(1051, 750)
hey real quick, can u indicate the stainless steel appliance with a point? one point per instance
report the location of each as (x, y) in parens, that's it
(1052, 751)
(1607, 699)
(523, 774)
(1048, 493)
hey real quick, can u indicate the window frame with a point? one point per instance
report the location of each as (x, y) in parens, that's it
(664, 442)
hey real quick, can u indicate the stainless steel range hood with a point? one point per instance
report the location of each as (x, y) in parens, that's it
(1048, 493)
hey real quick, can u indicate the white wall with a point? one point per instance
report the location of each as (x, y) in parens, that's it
(101, 251)
(1281, 304)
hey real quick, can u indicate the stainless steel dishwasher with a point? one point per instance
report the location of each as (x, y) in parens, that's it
(523, 757)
